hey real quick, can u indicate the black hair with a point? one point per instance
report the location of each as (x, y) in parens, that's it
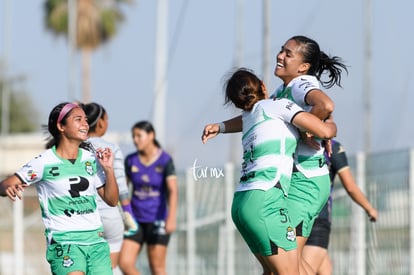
(243, 89)
(94, 112)
(320, 61)
(147, 127)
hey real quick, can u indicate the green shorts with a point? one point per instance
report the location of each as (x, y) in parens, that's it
(263, 221)
(306, 198)
(91, 259)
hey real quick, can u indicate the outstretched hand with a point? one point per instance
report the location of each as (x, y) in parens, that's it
(372, 214)
(210, 131)
(12, 187)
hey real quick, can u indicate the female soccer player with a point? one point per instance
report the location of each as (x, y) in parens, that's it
(68, 179)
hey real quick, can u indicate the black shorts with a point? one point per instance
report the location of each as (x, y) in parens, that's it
(321, 231)
(151, 233)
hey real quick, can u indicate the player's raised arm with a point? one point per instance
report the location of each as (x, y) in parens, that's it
(233, 125)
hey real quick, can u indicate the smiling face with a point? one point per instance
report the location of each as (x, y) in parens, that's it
(75, 126)
(290, 62)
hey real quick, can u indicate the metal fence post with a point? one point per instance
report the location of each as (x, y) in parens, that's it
(229, 187)
(191, 242)
(411, 213)
(358, 221)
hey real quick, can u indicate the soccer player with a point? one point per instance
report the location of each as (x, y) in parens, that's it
(151, 172)
(111, 217)
(68, 179)
(316, 249)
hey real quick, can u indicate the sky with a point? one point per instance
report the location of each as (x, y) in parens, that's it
(202, 51)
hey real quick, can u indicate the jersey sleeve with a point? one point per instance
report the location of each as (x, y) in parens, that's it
(127, 167)
(119, 171)
(169, 168)
(302, 86)
(284, 109)
(32, 172)
(338, 158)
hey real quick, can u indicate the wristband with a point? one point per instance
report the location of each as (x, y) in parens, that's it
(222, 127)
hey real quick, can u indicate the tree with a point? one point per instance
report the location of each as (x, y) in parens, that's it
(23, 116)
(97, 22)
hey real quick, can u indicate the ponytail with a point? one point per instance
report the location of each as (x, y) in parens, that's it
(334, 66)
(320, 62)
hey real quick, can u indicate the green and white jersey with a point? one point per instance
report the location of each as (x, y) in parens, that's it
(67, 195)
(308, 161)
(269, 142)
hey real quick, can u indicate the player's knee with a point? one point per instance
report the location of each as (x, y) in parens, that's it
(126, 266)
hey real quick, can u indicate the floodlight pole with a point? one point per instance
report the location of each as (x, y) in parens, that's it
(160, 83)
(368, 77)
(266, 42)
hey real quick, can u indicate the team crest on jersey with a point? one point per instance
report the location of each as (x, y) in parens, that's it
(158, 169)
(290, 235)
(67, 261)
(89, 168)
(134, 169)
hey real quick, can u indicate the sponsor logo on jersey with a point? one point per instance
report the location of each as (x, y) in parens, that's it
(31, 175)
(289, 106)
(54, 171)
(78, 185)
(81, 201)
(71, 212)
(145, 178)
(146, 192)
(307, 84)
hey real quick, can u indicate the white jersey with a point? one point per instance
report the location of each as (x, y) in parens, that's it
(67, 195)
(269, 142)
(118, 166)
(308, 161)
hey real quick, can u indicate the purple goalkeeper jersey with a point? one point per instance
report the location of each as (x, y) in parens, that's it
(149, 192)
